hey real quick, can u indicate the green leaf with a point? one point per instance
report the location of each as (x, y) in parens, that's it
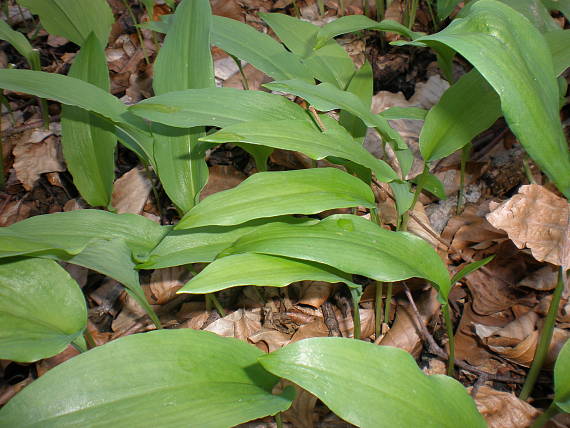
(559, 45)
(403, 195)
(181, 247)
(412, 113)
(452, 123)
(561, 5)
(271, 194)
(177, 377)
(42, 309)
(361, 85)
(514, 58)
(74, 19)
(261, 270)
(89, 141)
(350, 244)
(330, 64)
(303, 136)
(445, 7)
(373, 386)
(184, 62)
(258, 49)
(216, 107)
(562, 378)
(352, 23)
(21, 44)
(432, 184)
(535, 12)
(471, 267)
(326, 97)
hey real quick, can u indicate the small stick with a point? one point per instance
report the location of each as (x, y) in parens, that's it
(330, 320)
(317, 119)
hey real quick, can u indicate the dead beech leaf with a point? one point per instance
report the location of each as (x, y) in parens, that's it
(33, 159)
(315, 293)
(164, 283)
(222, 177)
(269, 340)
(544, 279)
(131, 191)
(239, 324)
(255, 78)
(537, 219)
(503, 409)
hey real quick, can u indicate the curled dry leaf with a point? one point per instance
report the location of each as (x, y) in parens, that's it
(164, 283)
(239, 324)
(131, 191)
(315, 293)
(537, 219)
(269, 340)
(503, 409)
(543, 279)
(33, 159)
(222, 177)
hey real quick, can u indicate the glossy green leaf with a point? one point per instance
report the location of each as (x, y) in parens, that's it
(258, 49)
(89, 141)
(21, 44)
(452, 123)
(181, 247)
(535, 12)
(271, 194)
(471, 267)
(514, 58)
(412, 113)
(42, 309)
(361, 85)
(432, 184)
(559, 45)
(374, 386)
(178, 377)
(261, 270)
(403, 195)
(74, 19)
(216, 107)
(184, 62)
(350, 244)
(562, 378)
(445, 7)
(303, 136)
(352, 23)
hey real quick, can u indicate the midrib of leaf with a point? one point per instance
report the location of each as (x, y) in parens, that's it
(74, 25)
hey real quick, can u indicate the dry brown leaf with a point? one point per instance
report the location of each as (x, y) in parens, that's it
(543, 279)
(302, 410)
(131, 191)
(269, 340)
(15, 211)
(315, 293)
(503, 409)
(255, 78)
(222, 177)
(239, 324)
(537, 219)
(33, 159)
(164, 283)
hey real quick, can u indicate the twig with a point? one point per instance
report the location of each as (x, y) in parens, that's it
(317, 119)
(32, 125)
(435, 349)
(330, 320)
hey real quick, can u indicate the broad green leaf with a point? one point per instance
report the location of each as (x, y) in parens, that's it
(352, 23)
(260, 50)
(561, 5)
(514, 58)
(21, 44)
(330, 64)
(350, 244)
(180, 247)
(559, 45)
(177, 377)
(326, 97)
(471, 267)
(403, 195)
(184, 62)
(303, 136)
(361, 85)
(432, 184)
(216, 107)
(445, 7)
(42, 309)
(74, 19)
(261, 270)
(374, 386)
(271, 194)
(412, 113)
(452, 123)
(89, 141)
(562, 378)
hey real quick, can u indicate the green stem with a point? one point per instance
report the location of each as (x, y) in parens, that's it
(278, 420)
(545, 338)
(356, 317)
(365, 7)
(466, 152)
(321, 4)
(341, 6)
(216, 303)
(419, 187)
(527, 171)
(388, 303)
(451, 340)
(380, 10)
(80, 344)
(153, 186)
(2, 179)
(89, 339)
(412, 13)
(296, 9)
(244, 81)
(378, 308)
(138, 30)
(548, 414)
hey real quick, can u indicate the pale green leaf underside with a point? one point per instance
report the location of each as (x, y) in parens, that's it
(42, 309)
(562, 378)
(202, 380)
(374, 386)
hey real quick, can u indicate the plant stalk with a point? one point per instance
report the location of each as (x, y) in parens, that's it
(466, 152)
(138, 30)
(365, 7)
(356, 294)
(545, 337)
(244, 81)
(450, 338)
(378, 308)
(321, 4)
(214, 300)
(419, 187)
(380, 10)
(413, 8)
(548, 414)
(388, 303)
(278, 420)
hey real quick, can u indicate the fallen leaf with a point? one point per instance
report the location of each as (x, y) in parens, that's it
(503, 409)
(164, 283)
(239, 324)
(543, 279)
(315, 293)
(131, 191)
(537, 219)
(269, 340)
(222, 177)
(33, 159)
